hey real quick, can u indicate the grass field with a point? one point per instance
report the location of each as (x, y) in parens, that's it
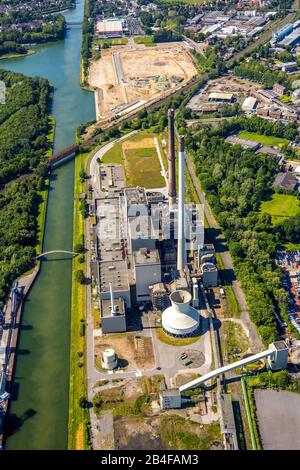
(286, 99)
(181, 434)
(111, 41)
(235, 341)
(263, 139)
(144, 40)
(142, 168)
(78, 417)
(281, 207)
(139, 157)
(164, 338)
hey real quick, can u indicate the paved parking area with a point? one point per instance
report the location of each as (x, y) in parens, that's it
(278, 414)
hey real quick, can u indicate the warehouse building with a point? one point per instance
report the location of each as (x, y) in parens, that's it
(221, 97)
(249, 105)
(281, 33)
(110, 28)
(245, 143)
(286, 181)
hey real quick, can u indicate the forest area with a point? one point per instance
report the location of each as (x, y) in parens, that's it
(24, 128)
(235, 182)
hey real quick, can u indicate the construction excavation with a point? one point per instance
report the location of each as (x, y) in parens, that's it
(126, 77)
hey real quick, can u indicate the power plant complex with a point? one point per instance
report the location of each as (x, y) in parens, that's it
(150, 249)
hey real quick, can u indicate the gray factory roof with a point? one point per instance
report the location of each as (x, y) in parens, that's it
(145, 256)
(280, 345)
(286, 180)
(118, 304)
(115, 272)
(135, 196)
(245, 143)
(171, 392)
(110, 246)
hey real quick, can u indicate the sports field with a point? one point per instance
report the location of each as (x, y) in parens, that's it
(281, 207)
(264, 139)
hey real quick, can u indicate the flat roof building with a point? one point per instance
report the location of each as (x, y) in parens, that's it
(245, 143)
(223, 97)
(110, 249)
(286, 181)
(109, 28)
(249, 104)
(113, 322)
(147, 271)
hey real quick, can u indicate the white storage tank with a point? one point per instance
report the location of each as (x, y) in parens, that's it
(180, 319)
(109, 359)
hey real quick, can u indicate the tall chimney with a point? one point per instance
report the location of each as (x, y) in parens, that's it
(171, 160)
(113, 312)
(181, 252)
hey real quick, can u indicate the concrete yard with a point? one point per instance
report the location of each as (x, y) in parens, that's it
(126, 74)
(278, 414)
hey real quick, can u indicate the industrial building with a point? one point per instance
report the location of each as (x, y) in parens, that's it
(221, 97)
(245, 143)
(282, 32)
(110, 28)
(146, 245)
(286, 181)
(249, 105)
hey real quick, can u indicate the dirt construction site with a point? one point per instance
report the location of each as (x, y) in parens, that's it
(128, 76)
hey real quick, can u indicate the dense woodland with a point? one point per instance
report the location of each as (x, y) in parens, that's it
(262, 73)
(236, 181)
(24, 128)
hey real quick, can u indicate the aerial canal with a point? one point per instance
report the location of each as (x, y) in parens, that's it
(38, 416)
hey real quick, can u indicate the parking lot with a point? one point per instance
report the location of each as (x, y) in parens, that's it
(278, 414)
(289, 262)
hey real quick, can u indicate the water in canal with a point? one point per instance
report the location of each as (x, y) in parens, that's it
(39, 410)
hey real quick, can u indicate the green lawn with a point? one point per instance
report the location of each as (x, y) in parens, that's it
(235, 341)
(143, 168)
(263, 139)
(280, 207)
(144, 40)
(182, 434)
(111, 41)
(114, 155)
(286, 99)
(78, 417)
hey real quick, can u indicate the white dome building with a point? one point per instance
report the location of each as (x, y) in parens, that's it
(180, 319)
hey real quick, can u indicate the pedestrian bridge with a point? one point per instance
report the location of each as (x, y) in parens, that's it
(56, 251)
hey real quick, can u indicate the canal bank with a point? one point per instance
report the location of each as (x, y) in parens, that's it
(38, 417)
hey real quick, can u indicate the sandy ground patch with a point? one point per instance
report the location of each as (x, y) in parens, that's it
(146, 74)
(147, 142)
(134, 354)
(80, 438)
(135, 433)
